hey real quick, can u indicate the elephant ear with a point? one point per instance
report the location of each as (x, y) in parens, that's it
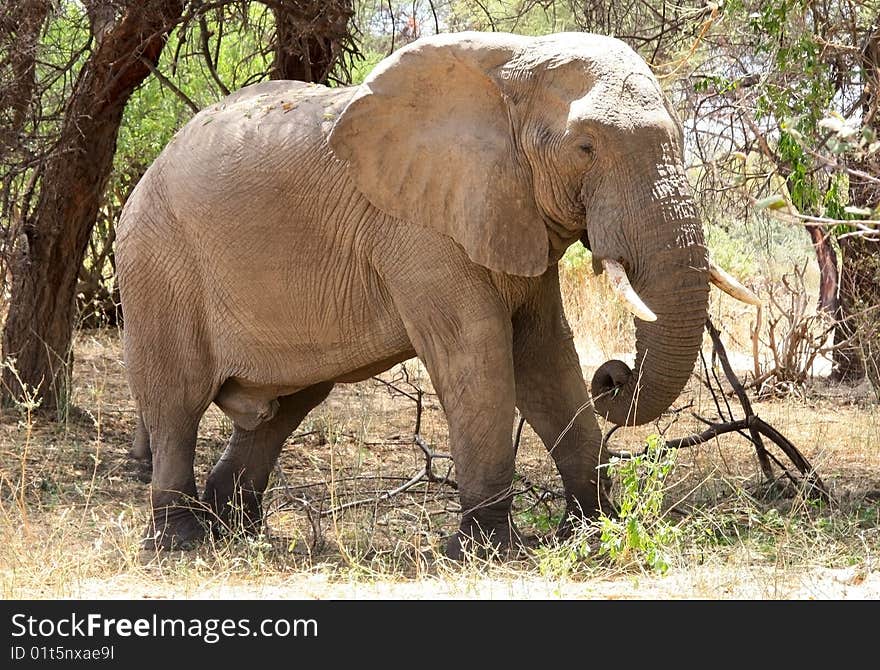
(428, 138)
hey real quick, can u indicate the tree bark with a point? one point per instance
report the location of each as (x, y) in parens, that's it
(860, 301)
(20, 26)
(860, 257)
(309, 37)
(827, 260)
(49, 251)
(833, 300)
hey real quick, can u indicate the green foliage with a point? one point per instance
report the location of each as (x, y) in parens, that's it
(61, 53)
(827, 196)
(151, 118)
(717, 84)
(543, 521)
(522, 17)
(798, 93)
(804, 193)
(727, 249)
(362, 68)
(782, 33)
(576, 257)
(563, 560)
(640, 532)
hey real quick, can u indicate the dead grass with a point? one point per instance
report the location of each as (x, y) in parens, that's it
(73, 506)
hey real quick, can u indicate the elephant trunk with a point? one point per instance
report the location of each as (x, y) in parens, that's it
(669, 271)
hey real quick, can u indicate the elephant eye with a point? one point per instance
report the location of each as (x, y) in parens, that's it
(587, 148)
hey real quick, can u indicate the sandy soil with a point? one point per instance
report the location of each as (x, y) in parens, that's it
(87, 501)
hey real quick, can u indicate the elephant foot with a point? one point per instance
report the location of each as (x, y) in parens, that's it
(174, 527)
(486, 540)
(233, 508)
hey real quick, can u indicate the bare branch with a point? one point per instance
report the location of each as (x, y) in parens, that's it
(165, 81)
(756, 427)
(204, 35)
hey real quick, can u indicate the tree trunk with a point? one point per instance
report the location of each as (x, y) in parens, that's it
(847, 364)
(20, 26)
(860, 300)
(860, 257)
(309, 37)
(49, 251)
(833, 300)
(827, 260)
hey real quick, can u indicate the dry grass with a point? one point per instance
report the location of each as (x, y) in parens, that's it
(73, 506)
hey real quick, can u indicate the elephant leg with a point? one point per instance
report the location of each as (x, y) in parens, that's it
(476, 390)
(170, 416)
(176, 520)
(140, 452)
(140, 449)
(471, 370)
(553, 398)
(235, 487)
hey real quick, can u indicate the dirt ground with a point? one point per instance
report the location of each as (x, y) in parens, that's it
(74, 504)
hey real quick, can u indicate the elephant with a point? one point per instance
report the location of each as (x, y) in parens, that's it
(294, 236)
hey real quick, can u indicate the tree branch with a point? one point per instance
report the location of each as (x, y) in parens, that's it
(165, 81)
(204, 34)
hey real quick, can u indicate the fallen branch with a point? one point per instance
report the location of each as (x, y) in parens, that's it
(757, 429)
(719, 351)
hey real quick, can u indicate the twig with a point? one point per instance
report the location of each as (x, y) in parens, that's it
(386, 495)
(426, 475)
(518, 435)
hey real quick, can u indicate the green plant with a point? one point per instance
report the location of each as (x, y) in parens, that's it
(542, 520)
(727, 243)
(577, 256)
(640, 532)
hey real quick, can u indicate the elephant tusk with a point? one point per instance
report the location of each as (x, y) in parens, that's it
(731, 286)
(622, 287)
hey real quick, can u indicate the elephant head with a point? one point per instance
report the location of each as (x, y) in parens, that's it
(518, 146)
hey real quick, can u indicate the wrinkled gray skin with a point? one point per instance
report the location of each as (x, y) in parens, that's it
(293, 237)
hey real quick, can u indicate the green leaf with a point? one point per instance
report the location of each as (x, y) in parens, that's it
(771, 202)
